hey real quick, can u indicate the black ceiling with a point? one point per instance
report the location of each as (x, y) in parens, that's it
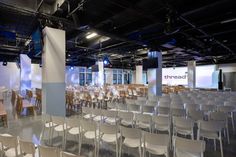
(183, 30)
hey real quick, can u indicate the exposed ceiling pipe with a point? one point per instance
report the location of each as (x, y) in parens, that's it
(39, 6)
(79, 7)
(206, 34)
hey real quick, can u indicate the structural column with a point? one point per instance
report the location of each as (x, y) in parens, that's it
(139, 74)
(25, 73)
(53, 72)
(100, 73)
(191, 74)
(155, 77)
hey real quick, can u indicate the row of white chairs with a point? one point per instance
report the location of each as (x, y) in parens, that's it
(13, 146)
(124, 136)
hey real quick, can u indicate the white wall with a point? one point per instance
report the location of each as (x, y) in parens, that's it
(10, 76)
(227, 67)
(36, 76)
(204, 76)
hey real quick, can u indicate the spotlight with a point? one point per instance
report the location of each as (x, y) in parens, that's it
(91, 35)
(71, 68)
(4, 63)
(105, 62)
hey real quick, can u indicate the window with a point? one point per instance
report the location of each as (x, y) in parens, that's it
(81, 79)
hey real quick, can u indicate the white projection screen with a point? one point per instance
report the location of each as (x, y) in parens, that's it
(175, 76)
(204, 76)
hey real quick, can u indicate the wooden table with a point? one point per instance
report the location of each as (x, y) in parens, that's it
(3, 114)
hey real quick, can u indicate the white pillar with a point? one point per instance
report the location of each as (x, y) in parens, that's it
(100, 73)
(53, 72)
(109, 76)
(155, 77)
(139, 74)
(191, 74)
(25, 73)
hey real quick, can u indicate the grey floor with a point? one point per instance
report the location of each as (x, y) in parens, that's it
(29, 128)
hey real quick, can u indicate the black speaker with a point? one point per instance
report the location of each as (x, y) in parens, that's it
(220, 81)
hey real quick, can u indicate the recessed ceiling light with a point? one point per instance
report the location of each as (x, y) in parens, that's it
(68, 55)
(91, 35)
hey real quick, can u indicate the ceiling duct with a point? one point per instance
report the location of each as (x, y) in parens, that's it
(50, 6)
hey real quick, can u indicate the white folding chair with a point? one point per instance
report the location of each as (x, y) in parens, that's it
(109, 134)
(89, 131)
(221, 117)
(126, 118)
(211, 130)
(183, 126)
(27, 148)
(110, 117)
(9, 145)
(74, 129)
(143, 121)
(60, 127)
(188, 148)
(132, 139)
(157, 144)
(165, 111)
(134, 108)
(148, 110)
(47, 124)
(229, 109)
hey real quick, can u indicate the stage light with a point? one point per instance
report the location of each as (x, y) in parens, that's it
(105, 62)
(71, 68)
(4, 63)
(91, 35)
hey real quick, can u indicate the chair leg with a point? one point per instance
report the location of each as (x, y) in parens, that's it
(227, 132)
(232, 120)
(215, 144)
(221, 148)
(42, 134)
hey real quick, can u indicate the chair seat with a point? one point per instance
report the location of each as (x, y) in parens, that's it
(74, 131)
(126, 123)
(184, 131)
(110, 138)
(97, 118)
(143, 125)
(88, 116)
(11, 152)
(155, 149)
(209, 135)
(60, 128)
(133, 143)
(91, 134)
(186, 154)
(49, 124)
(111, 121)
(162, 127)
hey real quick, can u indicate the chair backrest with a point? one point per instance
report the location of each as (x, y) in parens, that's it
(163, 104)
(146, 118)
(161, 120)
(218, 116)
(188, 146)
(97, 112)
(178, 112)
(181, 122)
(27, 147)
(9, 141)
(207, 108)
(121, 106)
(148, 109)
(132, 133)
(126, 115)
(58, 120)
(108, 129)
(190, 107)
(45, 151)
(133, 107)
(226, 109)
(66, 154)
(156, 139)
(211, 126)
(196, 115)
(88, 125)
(46, 118)
(72, 122)
(107, 113)
(163, 110)
(87, 110)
